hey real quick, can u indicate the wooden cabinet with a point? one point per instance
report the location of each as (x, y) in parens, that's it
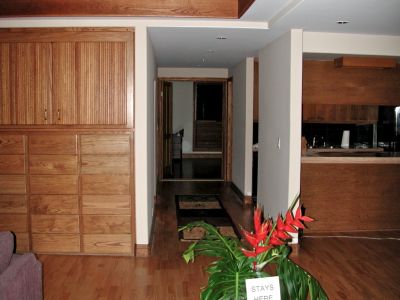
(47, 74)
(106, 193)
(13, 191)
(335, 113)
(53, 169)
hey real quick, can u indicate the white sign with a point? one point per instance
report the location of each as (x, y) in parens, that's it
(266, 288)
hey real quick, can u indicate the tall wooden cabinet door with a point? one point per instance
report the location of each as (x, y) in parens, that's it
(64, 83)
(30, 84)
(6, 116)
(102, 77)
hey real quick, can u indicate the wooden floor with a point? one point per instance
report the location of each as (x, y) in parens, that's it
(347, 268)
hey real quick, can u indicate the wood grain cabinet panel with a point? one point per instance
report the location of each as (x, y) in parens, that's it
(54, 184)
(54, 224)
(12, 144)
(105, 164)
(54, 204)
(12, 184)
(55, 243)
(13, 204)
(6, 105)
(52, 144)
(53, 164)
(107, 243)
(12, 164)
(101, 72)
(105, 144)
(105, 184)
(22, 242)
(106, 204)
(14, 222)
(106, 224)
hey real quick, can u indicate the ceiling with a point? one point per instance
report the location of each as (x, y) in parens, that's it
(198, 46)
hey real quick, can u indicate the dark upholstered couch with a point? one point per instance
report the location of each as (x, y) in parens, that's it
(20, 274)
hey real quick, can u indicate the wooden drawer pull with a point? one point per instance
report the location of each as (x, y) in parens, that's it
(45, 114)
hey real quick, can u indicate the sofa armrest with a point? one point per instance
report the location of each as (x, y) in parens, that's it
(22, 279)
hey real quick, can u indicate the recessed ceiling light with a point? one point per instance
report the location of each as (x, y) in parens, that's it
(342, 22)
(221, 37)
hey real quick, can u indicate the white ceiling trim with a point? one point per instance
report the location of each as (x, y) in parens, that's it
(129, 22)
(284, 11)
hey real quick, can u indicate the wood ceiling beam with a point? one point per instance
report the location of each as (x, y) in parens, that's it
(160, 8)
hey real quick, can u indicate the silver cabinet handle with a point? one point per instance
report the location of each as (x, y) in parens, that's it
(58, 115)
(45, 114)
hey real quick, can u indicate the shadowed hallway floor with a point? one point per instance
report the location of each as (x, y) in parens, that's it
(346, 268)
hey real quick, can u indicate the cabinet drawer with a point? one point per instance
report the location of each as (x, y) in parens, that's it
(54, 204)
(106, 224)
(22, 242)
(105, 144)
(105, 184)
(54, 224)
(52, 144)
(55, 243)
(54, 184)
(15, 223)
(105, 164)
(107, 243)
(53, 164)
(13, 204)
(110, 204)
(12, 144)
(12, 164)
(12, 184)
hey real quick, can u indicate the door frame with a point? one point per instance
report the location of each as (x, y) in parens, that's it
(226, 123)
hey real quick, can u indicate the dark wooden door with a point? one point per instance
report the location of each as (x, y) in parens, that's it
(167, 127)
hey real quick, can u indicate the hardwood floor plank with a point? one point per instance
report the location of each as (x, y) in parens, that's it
(347, 268)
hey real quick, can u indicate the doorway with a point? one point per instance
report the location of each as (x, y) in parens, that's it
(192, 129)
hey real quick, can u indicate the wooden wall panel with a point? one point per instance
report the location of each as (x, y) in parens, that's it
(107, 243)
(13, 204)
(54, 204)
(12, 164)
(105, 144)
(104, 164)
(351, 197)
(55, 243)
(6, 103)
(53, 144)
(54, 224)
(22, 242)
(14, 222)
(106, 224)
(12, 184)
(325, 84)
(106, 184)
(52, 164)
(12, 144)
(54, 184)
(106, 204)
(64, 83)
(202, 8)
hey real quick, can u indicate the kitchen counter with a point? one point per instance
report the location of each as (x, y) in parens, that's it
(351, 156)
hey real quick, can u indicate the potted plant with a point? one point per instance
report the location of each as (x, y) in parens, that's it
(264, 253)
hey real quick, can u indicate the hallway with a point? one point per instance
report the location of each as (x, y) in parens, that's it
(346, 268)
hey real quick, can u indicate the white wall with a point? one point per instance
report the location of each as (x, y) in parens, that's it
(193, 72)
(182, 115)
(352, 44)
(242, 125)
(280, 65)
(145, 174)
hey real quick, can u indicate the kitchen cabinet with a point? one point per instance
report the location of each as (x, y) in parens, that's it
(335, 113)
(46, 75)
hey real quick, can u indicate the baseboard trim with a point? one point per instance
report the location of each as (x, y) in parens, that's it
(144, 250)
(246, 200)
